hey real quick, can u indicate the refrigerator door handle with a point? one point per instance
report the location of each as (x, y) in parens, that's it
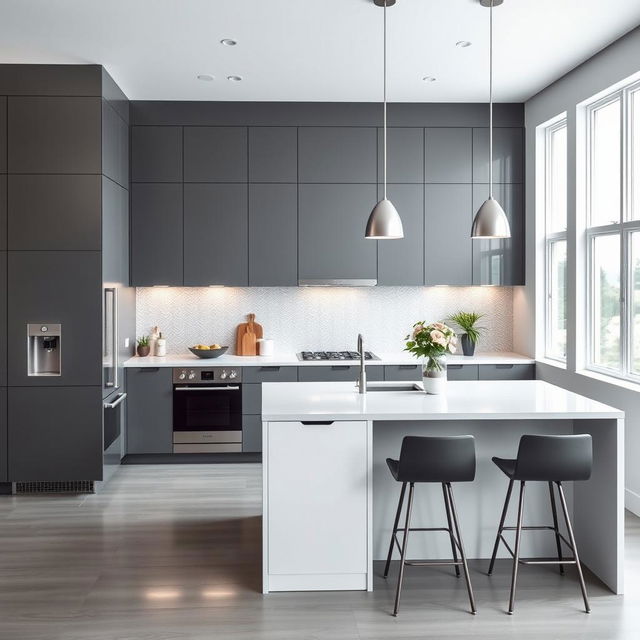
(113, 293)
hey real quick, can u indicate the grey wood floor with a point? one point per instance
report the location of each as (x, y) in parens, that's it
(172, 552)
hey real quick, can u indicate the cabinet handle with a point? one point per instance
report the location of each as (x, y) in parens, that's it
(407, 367)
(228, 388)
(268, 369)
(343, 367)
(317, 422)
(504, 366)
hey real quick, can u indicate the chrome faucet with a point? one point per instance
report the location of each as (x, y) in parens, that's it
(362, 378)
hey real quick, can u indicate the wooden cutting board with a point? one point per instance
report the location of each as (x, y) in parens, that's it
(246, 336)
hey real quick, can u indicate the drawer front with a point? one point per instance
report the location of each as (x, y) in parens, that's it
(252, 399)
(393, 372)
(251, 434)
(270, 374)
(462, 372)
(338, 373)
(507, 372)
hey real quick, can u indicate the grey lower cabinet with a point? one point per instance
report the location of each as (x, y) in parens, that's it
(507, 372)
(338, 373)
(156, 235)
(215, 235)
(331, 242)
(462, 372)
(401, 262)
(3, 435)
(251, 434)
(397, 372)
(273, 235)
(54, 433)
(149, 410)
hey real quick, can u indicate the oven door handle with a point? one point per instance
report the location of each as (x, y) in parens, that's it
(206, 388)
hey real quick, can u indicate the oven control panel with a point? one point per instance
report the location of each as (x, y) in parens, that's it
(207, 375)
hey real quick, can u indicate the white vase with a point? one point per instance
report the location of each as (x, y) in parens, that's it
(434, 375)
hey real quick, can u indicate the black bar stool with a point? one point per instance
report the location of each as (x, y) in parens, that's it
(551, 459)
(432, 459)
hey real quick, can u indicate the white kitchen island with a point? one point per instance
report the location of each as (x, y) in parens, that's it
(329, 500)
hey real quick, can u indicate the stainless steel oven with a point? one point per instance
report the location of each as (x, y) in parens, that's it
(207, 410)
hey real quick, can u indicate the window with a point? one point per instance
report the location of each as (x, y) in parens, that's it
(613, 234)
(555, 199)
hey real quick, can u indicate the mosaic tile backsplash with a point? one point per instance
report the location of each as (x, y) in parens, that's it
(316, 318)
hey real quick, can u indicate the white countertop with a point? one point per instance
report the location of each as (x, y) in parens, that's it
(291, 360)
(464, 400)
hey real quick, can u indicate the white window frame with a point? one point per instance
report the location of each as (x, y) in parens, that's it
(624, 228)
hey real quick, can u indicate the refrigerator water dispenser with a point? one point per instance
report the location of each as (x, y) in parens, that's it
(43, 349)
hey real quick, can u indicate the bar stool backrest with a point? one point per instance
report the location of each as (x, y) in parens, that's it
(554, 458)
(437, 459)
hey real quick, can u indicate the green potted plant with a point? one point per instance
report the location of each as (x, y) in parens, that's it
(467, 320)
(143, 346)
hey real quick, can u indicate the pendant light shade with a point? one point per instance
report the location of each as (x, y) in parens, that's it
(384, 221)
(490, 221)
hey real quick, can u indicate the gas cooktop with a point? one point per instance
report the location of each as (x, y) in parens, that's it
(335, 355)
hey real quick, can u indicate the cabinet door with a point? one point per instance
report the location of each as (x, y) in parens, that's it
(338, 373)
(54, 212)
(3, 212)
(251, 434)
(115, 146)
(3, 134)
(273, 235)
(397, 372)
(56, 287)
(401, 262)
(332, 221)
(3, 435)
(448, 155)
(215, 154)
(270, 374)
(156, 235)
(447, 240)
(55, 135)
(317, 498)
(508, 155)
(215, 235)
(462, 371)
(273, 154)
(501, 262)
(156, 154)
(55, 434)
(149, 410)
(507, 372)
(3, 318)
(337, 154)
(115, 233)
(405, 155)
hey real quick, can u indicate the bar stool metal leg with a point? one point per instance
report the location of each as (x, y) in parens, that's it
(516, 554)
(463, 556)
(554, 512)
(403, 554)
(395, 530)
(451, 538)
(572, 539)
(505, 509)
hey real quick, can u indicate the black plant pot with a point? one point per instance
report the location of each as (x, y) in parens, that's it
(468, 346)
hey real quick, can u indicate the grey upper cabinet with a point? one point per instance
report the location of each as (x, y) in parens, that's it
(3, 212)
(273, 154)
(149, 410)
(501, 262)
(273, 235)
(55, 434)
(156, 235)
(54, 135)
(3, 435)
(508, 155)
(405, 155)
(56, 287)
(448, 155)
(3, 134)
(215, 235)
(401, 262)
(54, 212)
(3, 318)
(332, 219)
(156, 154)
(447, 256)
(337, 154)
(115, 233)
(215, 154)
(115, 146)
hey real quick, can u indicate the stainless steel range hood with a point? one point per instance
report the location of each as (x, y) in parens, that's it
(338, 282)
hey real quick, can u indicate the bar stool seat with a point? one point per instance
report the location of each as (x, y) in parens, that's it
(508, 467)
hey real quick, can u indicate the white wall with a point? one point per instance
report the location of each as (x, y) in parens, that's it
(316, 318)
(616, 63)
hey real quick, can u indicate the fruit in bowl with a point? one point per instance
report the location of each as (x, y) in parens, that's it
(208, 351)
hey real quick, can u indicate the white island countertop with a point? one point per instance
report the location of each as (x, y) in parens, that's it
(463, 400)
(291, 360)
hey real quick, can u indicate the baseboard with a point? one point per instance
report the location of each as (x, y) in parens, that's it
(190, 458)
(632, 501)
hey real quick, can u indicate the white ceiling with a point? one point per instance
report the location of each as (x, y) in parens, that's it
(314, 50)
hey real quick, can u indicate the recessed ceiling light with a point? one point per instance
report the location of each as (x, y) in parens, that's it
(206, 77)
(429, 79)
(463, 44)
(234, 78)
(229, 42)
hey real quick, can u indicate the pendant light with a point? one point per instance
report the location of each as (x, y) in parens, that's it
(384, 221)
(490, 221)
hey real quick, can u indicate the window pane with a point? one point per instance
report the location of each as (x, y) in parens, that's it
(605, 304)
(635, 303)
(634, 177)
(557, 300)
(557, 176)
(605, 165)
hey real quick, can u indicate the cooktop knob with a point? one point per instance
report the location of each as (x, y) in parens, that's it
(182, 376)
(233, 374)
(192, 375)
(223, 375)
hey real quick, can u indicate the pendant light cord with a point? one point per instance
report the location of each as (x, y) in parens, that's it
(491, 100)
(384, 100)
